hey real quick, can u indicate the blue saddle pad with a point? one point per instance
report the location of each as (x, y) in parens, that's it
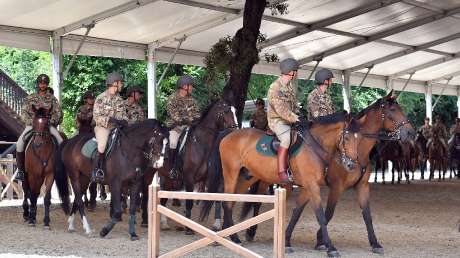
(265, 146)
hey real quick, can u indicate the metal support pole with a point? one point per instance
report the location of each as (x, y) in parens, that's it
(458, 101)
(172, 58)
(151, 79)
(365, 76)
(88, 29)
(428, 95)
(346, 91)
(314, 69)
(389, 84)
(57, 60)
(442, 91)
(405, 84)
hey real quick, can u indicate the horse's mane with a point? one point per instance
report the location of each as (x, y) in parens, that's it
(374, 105)
(332, 118)
(148, 123)
(354, 126)
(206, 110)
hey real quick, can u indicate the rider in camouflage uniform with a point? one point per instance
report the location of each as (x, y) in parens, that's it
(135, 111)
(85, 112)
(40, 99)
(425, 129)
(454, 130)
(109, 112)
(319, 102)
(182, 110)
(282, 109)
(259, 118)
(440, 130)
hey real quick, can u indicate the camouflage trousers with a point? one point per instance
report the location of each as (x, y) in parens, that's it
(283, 132)
(20, 144)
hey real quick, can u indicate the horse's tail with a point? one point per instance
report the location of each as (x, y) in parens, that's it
(215, 178)
(61, 179)
(247, 206)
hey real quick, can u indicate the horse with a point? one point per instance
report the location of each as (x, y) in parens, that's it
(137, 144)
(386, 114)
(40, 167)
(437, 156)
(390, 151)
(411, 155)
(332, 136)
(420, 142)
(195, 149)
(454, 156)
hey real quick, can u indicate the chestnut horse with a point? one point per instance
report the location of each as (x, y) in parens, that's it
(437, 156)
(332, 136)
(40, 167)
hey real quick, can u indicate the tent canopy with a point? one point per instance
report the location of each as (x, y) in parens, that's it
(396, 37)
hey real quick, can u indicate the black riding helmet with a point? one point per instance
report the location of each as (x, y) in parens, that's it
(89, 94)
(260, 101)
(134, 89)
(184, 80)
(322, 75)
(43, 78)
(288, 65)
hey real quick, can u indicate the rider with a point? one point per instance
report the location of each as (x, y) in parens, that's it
(440, 130)
(319, 102)
(85, 112)
(454, 130)
(40, 99)
(182, 109)
(259, 118)
(425, 129)
(135, 111)
(109, 112)
(282, 109)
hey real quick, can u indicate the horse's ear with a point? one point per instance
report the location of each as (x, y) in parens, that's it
(390, 95)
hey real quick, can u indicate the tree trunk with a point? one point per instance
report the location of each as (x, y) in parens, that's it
(245, 55)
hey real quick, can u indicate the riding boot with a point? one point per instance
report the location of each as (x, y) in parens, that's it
(20, 158)
(283, 165)
(173, 163)
(97, 174)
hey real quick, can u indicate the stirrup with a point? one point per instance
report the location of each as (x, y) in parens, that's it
(97, 175)
(173, 173)
(20, 175)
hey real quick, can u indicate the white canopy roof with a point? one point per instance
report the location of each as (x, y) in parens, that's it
(398, 37)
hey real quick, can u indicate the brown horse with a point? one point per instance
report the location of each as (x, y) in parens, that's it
(333, 137)
(437, 155)
(40, 166)
(383, 114)
(420, 142)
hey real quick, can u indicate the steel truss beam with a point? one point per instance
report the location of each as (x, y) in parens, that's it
(427, 65)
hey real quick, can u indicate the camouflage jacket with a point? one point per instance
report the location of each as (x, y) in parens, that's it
(440, 130)
(135, 113)
(319, 104)
(282, 104)
(455, 129)
(425, 131)
(107, 106)
(259, 119)
(45, 101)
(85, 113)
(181, 110)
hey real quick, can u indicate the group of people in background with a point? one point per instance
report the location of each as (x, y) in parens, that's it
(438, 129)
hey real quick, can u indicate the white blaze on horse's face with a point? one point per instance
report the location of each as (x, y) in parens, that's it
(234, 114)
(160, 162)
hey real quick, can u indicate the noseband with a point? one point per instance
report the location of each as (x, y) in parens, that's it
(344, 158)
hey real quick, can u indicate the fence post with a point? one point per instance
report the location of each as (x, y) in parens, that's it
(279, 223)
(154, 221)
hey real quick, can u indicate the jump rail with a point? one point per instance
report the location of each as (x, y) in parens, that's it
(278, 213)
(6, 177)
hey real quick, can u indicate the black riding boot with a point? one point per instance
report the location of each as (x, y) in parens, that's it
(20, 158)
(173, 163)
(97, 174)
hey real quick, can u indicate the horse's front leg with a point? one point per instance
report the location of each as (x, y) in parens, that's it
(115, 190)
(25, 202)
(301, 201)
(188, 206)
(362, 191)
(333, 198)
(134, 196)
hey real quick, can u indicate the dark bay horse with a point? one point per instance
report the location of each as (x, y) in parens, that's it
(138, 145)
(455, 155)
(383, 114)
(421, 142)
(437, 155)
(40, 167)
(335, 137)
(197, 147)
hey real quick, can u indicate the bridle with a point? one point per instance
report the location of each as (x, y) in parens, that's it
(151, 146)
(343, 157)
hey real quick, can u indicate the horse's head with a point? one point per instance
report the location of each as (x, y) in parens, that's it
(223, 115)
(157, 146)
(394, 120)
(42, 119)
(348, 144)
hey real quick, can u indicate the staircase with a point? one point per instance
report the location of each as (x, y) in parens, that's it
(11, 99)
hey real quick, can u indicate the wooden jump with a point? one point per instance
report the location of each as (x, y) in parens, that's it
(278, 213)
(6, 177)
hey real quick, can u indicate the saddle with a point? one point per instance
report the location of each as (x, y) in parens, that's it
(89, 149)
(268, 144)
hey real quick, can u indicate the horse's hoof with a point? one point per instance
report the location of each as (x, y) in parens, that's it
(46, 228)
(144, 225)
(377, 250)
(320, 247)
(249, 238)
(289, 250)
(165, 227)
(333, 254)
(103, 232)
(213, 228)
(134, 238)
(180, 228)
(189, 232)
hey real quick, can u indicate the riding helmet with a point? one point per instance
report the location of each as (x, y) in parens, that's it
(113, 77)
(89, 94)
(288, 65)
(43, 78)
(184, 80)
(134, 89)
(322, 75)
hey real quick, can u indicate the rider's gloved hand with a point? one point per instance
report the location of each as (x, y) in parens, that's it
(118, 122)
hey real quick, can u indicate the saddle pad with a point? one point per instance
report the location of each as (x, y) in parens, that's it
(264, 146)
(89, 148)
